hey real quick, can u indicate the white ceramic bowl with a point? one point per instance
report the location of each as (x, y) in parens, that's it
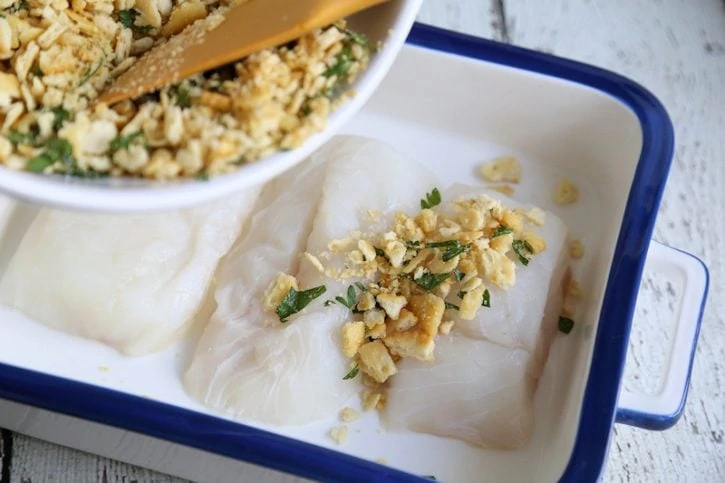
(389, 22)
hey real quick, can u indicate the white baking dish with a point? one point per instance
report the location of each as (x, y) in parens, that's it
(451, 101)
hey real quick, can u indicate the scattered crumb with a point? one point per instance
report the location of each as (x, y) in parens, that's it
(348, 415)
(370, 400)
(504, 168)
(566, 192)
(381, 461)
(315, 262)
(576, 249)
(338, 434)
(504, 188)
(445, 327)
(575, 289)
(103, 368)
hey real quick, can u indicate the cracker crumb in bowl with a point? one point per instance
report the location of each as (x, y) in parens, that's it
(502, 169)
(277, 105)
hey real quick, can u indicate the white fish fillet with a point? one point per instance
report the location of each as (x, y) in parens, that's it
(292, 373)
(526, 315)
(475, 391)
(132, 282)
(481, 386)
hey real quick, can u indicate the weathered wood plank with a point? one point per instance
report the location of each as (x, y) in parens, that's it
(676, 48)
(6, 451)
(36, 461)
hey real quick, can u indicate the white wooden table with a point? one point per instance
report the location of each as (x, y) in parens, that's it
(676, 48)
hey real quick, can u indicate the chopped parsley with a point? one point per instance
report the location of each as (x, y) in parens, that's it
(452, 306)
(128, 19)
(124, 142)
(60, 116)
(431, 199)
(351, 299)
(413, 244)
(17, 137)
(453, 248)
(501, 230)
(182, 95)
(202, 176)
(358, 38)
(342, 63)
(295, 301)
(521, 246)
(353, 372)
(36, 70)
(565, 324)
(486, 299)
(361, 287)
(458, 274)
(91, 71)
(56, 150)
(429, 281)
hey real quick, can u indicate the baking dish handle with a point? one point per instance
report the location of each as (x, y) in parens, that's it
(662, 410)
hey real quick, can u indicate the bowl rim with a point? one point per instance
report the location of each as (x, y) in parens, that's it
(245, 443)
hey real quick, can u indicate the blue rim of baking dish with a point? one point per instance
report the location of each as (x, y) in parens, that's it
(235, 440)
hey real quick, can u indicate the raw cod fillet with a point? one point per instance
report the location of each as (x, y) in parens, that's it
(475, 391)
(526, 315)
(134, 283)
(292, 373)
(481, 386)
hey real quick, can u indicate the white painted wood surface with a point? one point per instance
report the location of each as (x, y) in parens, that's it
(676, 48)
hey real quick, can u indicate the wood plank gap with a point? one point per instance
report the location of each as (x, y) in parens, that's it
(500, 24)
(6, 455)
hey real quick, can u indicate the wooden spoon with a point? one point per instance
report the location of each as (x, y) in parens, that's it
(247, 28)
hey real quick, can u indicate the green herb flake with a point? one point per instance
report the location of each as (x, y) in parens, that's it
(461, 294)
(124, 142)
(353, 372)
(328, 303)
(17, 6)
(91, 71)
(413, 245)
(36, 70)
(451, 306)
(431, 199)
(486, 299)
(458, 274)
(56, 150)
(202, 176)
(351, 298)
(429, 281)
(521, 246)
(565, 324)
(361, 287)
(453, 248)
(295, 301)
(17, 137)
(183, 97)
(358, 38)
(379, 252)
(127, 17)
(501, 230)
(342, 64)
(60, 116)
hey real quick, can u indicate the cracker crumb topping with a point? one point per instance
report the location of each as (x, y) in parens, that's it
(502, 169)
(566, 192)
